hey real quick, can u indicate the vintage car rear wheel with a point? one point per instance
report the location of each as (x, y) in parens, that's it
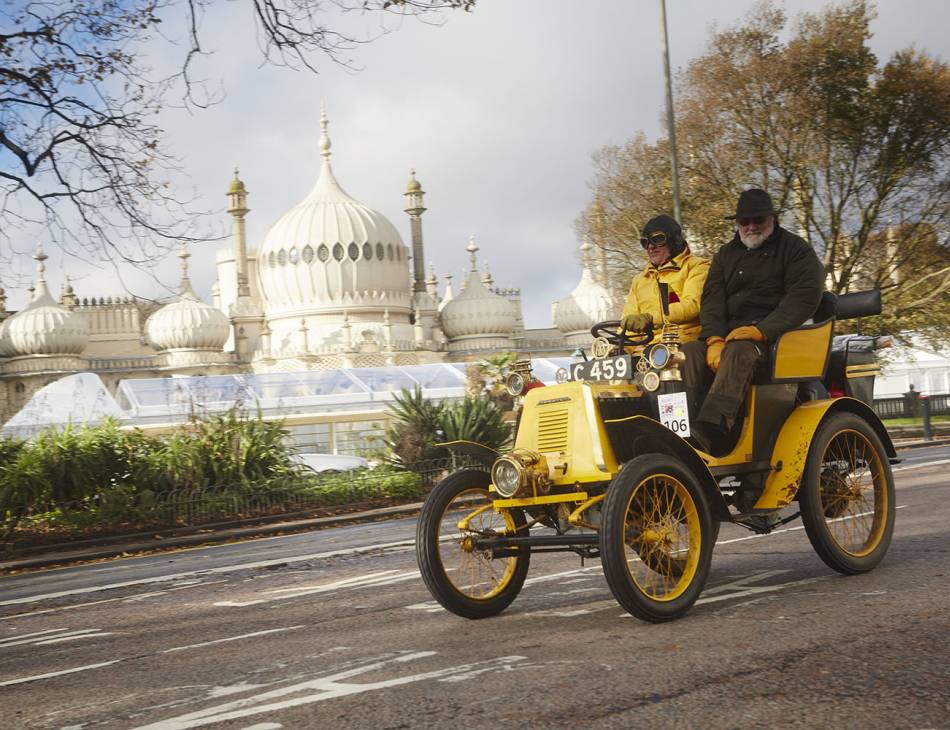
(466, 581)
(847, 495)
(657, 538)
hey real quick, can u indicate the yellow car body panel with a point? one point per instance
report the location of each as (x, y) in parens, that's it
(791, 451)
(563, 423)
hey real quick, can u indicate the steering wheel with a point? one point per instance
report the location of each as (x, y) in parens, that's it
(611, 331)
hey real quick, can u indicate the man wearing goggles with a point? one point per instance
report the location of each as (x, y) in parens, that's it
(763, 283)
(670, 262)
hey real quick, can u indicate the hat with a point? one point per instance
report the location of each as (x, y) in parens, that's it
(751, 203)
(671, 228)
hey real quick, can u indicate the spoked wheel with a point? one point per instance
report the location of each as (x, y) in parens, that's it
(466, 581)
(656, 539)
(847, 495)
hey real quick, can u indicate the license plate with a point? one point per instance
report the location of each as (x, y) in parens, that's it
(610, 368)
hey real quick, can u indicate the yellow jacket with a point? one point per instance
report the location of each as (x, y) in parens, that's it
(685, 274)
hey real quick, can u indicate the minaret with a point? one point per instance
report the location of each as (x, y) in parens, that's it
(415, 207)
(237, 197)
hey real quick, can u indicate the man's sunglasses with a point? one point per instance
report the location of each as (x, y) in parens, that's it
(757, 219)
(657, 238)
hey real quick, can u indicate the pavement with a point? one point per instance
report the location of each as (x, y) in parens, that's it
(103, 548)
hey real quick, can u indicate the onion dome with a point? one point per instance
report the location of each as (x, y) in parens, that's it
(584, 307)
(187, 323)
(477, 312)
(6, 344)
(332, 252)
(45, 327)
(237, 185)
(414, 186)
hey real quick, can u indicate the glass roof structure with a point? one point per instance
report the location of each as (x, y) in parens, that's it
(83, 398)
(367, 389)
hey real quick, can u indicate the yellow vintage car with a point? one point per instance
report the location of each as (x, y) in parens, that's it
(600, 467)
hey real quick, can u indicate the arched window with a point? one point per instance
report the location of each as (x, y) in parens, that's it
(389, 252)
(307, 253)
(293, 255)
(354, 251)
(367, 251)
(282, 257)
(380, 253)
(272, 259)
(323, 253)
(338, 251)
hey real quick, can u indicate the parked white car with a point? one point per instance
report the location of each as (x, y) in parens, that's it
(330, 462)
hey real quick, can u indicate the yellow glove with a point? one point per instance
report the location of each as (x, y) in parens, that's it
(750, 332)
(636, 322)
(714, 347)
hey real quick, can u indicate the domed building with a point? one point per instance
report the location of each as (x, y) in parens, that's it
(588, 304)
(331, 285)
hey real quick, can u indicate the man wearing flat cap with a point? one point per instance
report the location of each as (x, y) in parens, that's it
(671, 263)
(763, 283)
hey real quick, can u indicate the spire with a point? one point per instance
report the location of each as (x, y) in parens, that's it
(487, 278)
(237, 199)
(325, 143)
(40, 291)
(415, 207)
(472, 250)
(184, 290)
(68, 297)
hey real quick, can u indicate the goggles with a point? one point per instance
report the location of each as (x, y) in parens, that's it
(757, 219)
(657, 238)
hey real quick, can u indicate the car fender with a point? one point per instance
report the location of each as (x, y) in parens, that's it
(794, 443)
(484, 455)
(653, 437)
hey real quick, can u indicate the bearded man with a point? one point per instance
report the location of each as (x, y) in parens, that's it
(763, 283)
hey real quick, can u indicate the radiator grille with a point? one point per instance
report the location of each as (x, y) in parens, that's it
(552, 430)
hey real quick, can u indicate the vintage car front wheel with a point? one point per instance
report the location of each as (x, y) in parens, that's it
(847, 495)
(657, 538)
(467, 581)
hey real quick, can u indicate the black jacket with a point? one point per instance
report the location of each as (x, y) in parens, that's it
(776, 286)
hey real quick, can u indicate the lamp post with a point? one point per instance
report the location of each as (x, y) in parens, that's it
(670, 125)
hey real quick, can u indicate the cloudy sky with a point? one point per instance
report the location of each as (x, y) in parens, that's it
(498, 111)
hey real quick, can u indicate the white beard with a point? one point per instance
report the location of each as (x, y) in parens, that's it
(752, 241)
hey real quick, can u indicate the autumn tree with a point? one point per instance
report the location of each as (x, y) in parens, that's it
(82, 161)
(855, 154)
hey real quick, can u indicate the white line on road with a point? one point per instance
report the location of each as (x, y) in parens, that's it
(210, 571)
(53, 636)
(60, 673)
(329, 688)
(87, 667)
(384, 578)
(230, 638)
(126, 599)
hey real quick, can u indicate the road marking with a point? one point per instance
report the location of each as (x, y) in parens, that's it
(793, 529)
(53, 636)
(920, 466)
(230, 638)
(60, 673)
(331, 687)
(209, 571)
(87, 667)
(125, 599)
(382, 578)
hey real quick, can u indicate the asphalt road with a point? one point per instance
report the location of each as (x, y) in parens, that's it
(334, 629)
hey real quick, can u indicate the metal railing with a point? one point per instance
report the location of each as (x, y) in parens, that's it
(905, 406)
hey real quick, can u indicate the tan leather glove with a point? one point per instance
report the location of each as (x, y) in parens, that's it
(714, 347)
(636, 322)
(749, 332)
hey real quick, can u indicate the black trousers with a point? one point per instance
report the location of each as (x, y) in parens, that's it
(725, 390)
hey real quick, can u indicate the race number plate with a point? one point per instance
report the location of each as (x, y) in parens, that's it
(673, 413)
(610, 368)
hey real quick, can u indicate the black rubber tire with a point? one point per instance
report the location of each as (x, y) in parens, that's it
(430, 558)
(614, 545)
(824, 509)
